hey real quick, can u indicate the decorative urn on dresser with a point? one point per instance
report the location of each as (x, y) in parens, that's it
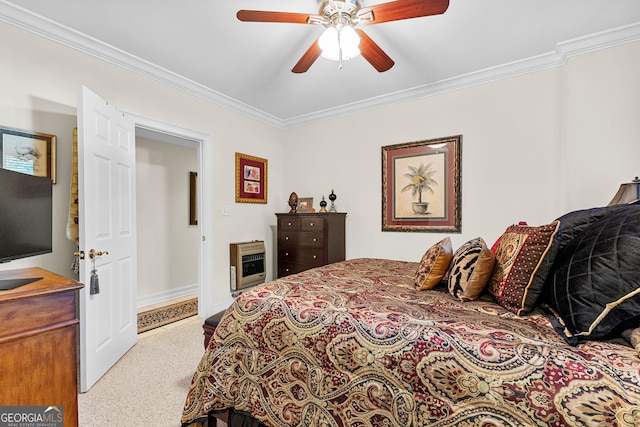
(308, 240)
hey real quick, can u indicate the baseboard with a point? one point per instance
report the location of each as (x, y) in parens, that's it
(167, 295)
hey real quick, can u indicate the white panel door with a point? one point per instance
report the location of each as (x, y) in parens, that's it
(106, 190)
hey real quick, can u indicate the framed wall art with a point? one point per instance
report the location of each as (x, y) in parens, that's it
(251, 179)
(193, 198)
(28, 152)
(421, 186)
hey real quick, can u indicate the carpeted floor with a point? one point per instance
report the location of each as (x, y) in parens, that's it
(148, 386)
(161, 316)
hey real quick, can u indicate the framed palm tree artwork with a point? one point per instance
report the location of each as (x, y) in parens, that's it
(421, 186)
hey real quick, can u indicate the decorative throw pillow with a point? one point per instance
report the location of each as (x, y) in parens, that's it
(471, 267)
(573, 224)
(494, 247)
(524, 257)
(434, 264)
(593, 289)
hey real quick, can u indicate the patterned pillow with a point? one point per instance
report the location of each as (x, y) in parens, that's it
(494, 248)
(471, 267)
(524, 257)
(434, 264)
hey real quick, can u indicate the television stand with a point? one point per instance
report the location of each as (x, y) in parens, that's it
(6, 284)
(39, 342)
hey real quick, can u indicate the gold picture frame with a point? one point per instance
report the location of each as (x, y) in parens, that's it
(28, 152)
(421, 186)
(251, 179)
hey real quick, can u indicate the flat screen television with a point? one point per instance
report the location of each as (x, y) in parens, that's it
(25, 218)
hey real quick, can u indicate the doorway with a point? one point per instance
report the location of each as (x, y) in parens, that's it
(184, 139)
(167, 236)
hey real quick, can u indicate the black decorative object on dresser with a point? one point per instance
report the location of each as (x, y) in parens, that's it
(309, 240)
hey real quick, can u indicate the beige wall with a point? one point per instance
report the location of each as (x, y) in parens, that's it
(602, 124)
(534, 146)
(510, 162)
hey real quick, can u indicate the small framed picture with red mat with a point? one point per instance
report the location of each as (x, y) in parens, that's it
(251, 179)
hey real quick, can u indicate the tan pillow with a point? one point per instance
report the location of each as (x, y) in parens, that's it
(470, 270)
(434, 264)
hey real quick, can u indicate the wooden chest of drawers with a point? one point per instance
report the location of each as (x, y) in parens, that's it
(309, 240)
(39, 343)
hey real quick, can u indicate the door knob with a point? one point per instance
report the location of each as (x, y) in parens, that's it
(93, 253)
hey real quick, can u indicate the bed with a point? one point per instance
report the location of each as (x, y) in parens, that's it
(358, 343)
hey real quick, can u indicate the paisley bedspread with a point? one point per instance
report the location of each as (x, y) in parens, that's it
(355, 344)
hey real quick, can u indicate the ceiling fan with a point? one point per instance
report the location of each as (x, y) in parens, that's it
(340, 40)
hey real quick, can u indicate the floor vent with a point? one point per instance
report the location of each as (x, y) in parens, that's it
(161, 316)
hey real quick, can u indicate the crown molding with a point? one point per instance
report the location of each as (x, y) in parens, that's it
(559, 57)
(24, 19)
(56, 32)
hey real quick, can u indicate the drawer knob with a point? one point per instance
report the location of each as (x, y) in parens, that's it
(314, 257)
(286, 237)
(288, 223)
(286, 254)
(315, 240)
(311, 224)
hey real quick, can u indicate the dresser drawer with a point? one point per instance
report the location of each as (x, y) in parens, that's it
(311, 256)
(289, 223)
(287, 268)
(311, 224)
(307, 239)
(26, 315)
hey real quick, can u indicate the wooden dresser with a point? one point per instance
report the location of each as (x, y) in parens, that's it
(39, 343)
(307, 240)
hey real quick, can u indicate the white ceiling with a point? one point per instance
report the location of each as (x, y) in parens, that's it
(201, 47)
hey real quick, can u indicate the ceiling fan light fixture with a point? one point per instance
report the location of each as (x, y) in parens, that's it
(334, 42)
(340, 41)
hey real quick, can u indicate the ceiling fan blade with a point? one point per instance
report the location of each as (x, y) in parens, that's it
(404, 9)
(309, 57)
(373, 53)
(266, 16)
